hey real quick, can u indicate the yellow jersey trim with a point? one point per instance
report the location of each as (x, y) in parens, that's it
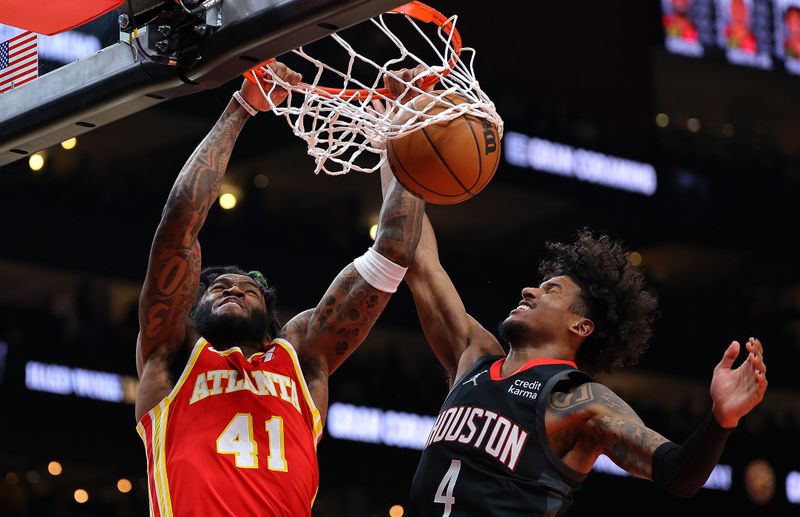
(304, 386)
(158, 422)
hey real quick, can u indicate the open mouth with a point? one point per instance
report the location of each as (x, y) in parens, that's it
(523, 306)
(231, 300)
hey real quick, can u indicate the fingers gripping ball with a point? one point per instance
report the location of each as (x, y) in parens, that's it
(447, 162)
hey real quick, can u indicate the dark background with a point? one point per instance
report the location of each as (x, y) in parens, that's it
(717, 242)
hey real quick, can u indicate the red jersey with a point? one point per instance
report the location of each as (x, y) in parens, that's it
(235, 436)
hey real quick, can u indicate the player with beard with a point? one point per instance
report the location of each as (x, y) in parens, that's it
(230, 404)
(519, 431)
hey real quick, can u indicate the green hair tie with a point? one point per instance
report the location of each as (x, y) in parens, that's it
(259, 277)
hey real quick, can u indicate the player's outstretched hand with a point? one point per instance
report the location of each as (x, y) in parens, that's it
(737, 391)
(252, 93)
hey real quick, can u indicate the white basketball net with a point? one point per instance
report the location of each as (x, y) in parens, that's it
(342, 128)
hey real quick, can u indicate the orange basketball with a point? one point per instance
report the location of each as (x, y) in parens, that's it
(448, 162)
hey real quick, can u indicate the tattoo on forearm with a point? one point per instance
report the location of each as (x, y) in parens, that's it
(615, 426)
(175, 258)
(351, 306)
(400, 225)
(348, 311)
(631, 444)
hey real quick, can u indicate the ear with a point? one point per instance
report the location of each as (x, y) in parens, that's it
(582, 327)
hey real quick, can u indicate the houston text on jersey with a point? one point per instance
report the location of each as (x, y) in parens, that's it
(494, 434)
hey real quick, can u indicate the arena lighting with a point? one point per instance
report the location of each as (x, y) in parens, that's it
(36, 162)
(662, 120)
(70, 143)
(81, 496)
(793, 487)
(261, 181)
(604, 465)
(396, 511)
(54, 468)
(727, 129)
(372, 425)
(720, 479)
(581, 164)
(373, 231)
(64, 48)
(63, 380)
(227, 201)
(3, 356)
(124, 486)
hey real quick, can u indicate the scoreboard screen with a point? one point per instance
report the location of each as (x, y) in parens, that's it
(761, 34)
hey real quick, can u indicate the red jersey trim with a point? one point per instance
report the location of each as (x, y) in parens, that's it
(317, 431)
(494, 371)
(152, 428)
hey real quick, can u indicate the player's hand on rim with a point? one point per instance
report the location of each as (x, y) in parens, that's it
(253, 94)
(397, 82)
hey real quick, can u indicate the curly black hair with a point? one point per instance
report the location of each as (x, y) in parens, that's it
(613, 295)
(209, 274)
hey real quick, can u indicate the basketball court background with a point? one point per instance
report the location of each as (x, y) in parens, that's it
(583, 80)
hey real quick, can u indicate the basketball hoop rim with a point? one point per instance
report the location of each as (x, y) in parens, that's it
(416, 10)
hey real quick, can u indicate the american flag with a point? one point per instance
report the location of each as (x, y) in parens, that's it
(19, 61)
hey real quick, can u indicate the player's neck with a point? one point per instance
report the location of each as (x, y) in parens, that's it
(521, 354)
(248, 348)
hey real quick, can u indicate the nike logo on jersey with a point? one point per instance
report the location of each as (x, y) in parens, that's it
(494, 434)
(474, 378)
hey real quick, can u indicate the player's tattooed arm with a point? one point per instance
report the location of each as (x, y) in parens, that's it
(607, 424)
(455, 337)
(326, 335)
(173, 270)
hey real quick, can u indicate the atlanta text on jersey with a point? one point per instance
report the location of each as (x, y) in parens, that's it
(263, 383)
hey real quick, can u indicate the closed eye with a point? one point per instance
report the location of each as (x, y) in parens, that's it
(551, 288)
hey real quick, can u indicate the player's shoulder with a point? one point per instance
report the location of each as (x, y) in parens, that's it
(295, 331)
(591, 397)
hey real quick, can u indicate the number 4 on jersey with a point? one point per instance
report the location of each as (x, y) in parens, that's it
(444, 494)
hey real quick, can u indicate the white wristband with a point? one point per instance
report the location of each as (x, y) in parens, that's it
(246, 105)
(379, 272)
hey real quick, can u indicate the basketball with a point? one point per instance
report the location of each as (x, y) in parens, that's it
(448, 162)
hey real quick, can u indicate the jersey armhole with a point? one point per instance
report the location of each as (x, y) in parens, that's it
(194, 354)
(576, 377)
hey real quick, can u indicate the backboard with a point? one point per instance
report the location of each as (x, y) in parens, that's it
(158, 51)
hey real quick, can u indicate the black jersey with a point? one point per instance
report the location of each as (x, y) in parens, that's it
(488, 453)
